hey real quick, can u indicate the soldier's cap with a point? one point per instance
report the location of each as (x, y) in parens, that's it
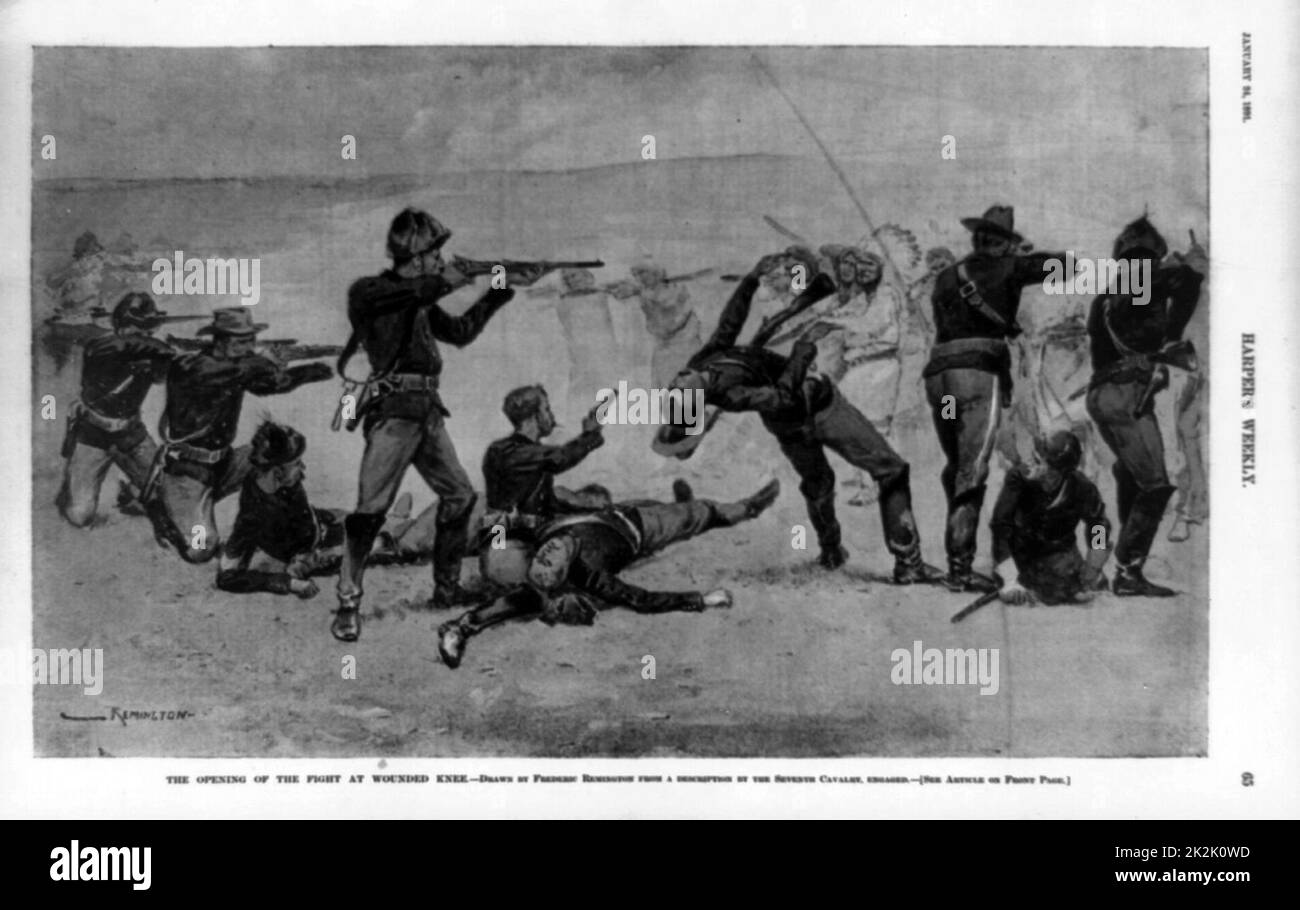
(999, 220)
(1061, 450)
(550, 566)
(275, 444)
(415, 232)
(232, 320)
(1140, 236)
(137, 309)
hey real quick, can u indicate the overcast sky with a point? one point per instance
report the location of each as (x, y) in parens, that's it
(241, 112)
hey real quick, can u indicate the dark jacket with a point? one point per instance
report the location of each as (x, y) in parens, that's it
(281, 524)
(399, 323)
(753, 378)
(205, 393)
(603, 550)
(519, 473)
(999, 281)
(1143, 329)
(116, 373)
(1029, 524)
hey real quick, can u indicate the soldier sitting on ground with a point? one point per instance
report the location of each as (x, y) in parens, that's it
(295, 539)
(1035, 527)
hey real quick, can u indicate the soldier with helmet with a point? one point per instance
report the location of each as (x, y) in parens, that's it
(104, 426)
(396, 318)
(1132, 343)
(1036, 524)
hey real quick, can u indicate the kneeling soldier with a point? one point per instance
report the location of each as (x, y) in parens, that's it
(104, 427)
(575, 570)
(205, 393)
(1035, 526)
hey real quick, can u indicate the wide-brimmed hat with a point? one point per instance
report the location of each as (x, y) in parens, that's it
(999, 219)
(138, 309)
(275, 444)
(232, 320)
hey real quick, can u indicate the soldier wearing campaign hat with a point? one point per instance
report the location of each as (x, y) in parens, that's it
(968, 377)
(197, 464)
(104, 425)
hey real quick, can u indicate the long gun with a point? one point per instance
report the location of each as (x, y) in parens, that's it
(472, 268)
(975, 605)
(283, 348)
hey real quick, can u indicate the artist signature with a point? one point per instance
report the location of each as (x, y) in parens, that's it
(124, 715)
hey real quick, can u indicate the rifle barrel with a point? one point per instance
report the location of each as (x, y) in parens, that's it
(974, 605)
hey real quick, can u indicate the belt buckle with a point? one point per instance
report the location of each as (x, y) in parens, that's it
(967, 290)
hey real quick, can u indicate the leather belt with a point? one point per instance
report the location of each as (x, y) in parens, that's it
(103, 422)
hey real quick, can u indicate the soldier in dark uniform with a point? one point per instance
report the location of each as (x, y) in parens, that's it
(1128, 341)
(1036, 522)
(395, 316)
(276, 519)
(968, 378)
(205, 393)
(105, 428)
(519, 484)
(575, 570)
(807, 414)
(280, 540)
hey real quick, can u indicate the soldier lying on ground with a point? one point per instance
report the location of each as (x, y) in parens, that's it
(1035, 527)
(575, 570)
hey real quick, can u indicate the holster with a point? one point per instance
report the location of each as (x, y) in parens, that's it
(70, 430)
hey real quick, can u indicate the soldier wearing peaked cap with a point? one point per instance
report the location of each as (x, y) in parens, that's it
(968, 378)
(197, 464)
(1131, 344)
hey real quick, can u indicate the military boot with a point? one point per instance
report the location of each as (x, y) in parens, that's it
(1130, 582)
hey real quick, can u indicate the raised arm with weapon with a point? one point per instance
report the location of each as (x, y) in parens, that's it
(281, 349)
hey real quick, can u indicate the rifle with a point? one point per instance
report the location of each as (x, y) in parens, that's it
(281, 348)
(472, 268)
(974, 605)
(100, 312)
